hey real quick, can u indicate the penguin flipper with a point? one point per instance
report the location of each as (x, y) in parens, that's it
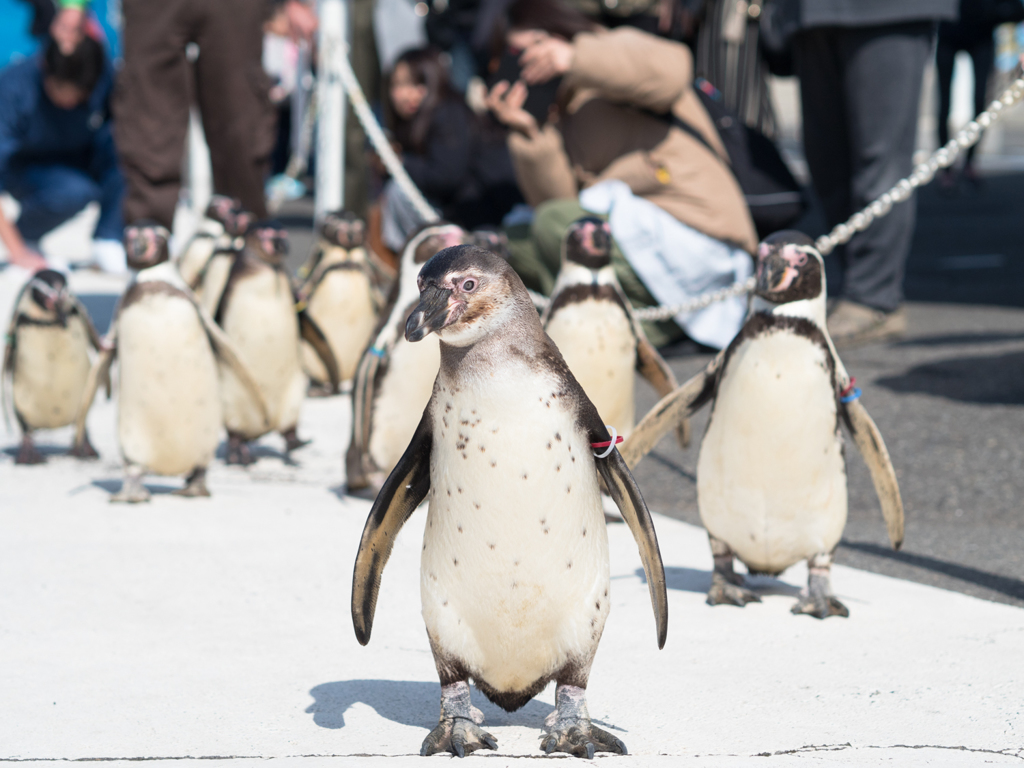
(623, 489)
(100, 371)
(670, 410)
(652, 366)
(225, 349)
(362, 410)
(6, 372)
(94, 336)
(402, 492)
(876, 456)
(312, 333)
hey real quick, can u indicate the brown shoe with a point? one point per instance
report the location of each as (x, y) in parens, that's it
(853, 325)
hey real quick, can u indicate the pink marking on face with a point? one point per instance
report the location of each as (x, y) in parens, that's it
(793, 256)
(763, 251)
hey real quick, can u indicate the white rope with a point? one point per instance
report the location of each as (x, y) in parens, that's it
(380, 142)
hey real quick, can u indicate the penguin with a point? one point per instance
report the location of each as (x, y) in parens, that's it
(592, 322)
(341, 293)
(169, 410)
(46, 358)
(394, 379)
(771, 476)
(225, 221)
(511, 455)
(257, 311)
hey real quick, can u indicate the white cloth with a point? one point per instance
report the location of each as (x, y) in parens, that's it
(674, 261)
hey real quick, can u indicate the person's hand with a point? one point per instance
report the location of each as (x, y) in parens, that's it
(377, 164)
(302, 21)
(506, 102)
(547, 58)
(27, 258)
(68, 29)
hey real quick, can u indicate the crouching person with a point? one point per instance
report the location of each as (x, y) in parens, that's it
(57, 151)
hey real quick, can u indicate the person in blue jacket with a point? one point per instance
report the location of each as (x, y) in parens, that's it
(57, 151)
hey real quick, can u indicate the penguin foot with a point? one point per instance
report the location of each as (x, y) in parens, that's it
(195, 485)
(820, 602)
(83, 450)
(238, 452)
(319, 390)
(292, 441)
(726, 591)
(28, 453)
(569, 728)
(580, 737)
(132, 490)
(458, 735)
(820, 607)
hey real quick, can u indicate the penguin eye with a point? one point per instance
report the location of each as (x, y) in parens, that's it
(468, 285)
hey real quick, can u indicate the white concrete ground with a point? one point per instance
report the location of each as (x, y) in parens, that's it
(219, 628)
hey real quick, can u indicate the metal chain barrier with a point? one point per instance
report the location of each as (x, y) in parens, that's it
(923, 173)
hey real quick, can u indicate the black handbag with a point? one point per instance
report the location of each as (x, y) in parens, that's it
(774, 197)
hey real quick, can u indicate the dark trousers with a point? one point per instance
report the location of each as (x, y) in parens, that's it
(157, 84)
(51, 193)
(983, 56)
(860, 89)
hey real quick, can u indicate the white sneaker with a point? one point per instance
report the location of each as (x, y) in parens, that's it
(109, 255)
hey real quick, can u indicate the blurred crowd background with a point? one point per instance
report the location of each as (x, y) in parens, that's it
(510, 116)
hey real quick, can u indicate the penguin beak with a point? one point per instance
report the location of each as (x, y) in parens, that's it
(431, 314)
(774, 274)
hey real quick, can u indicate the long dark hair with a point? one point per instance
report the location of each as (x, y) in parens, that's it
(429, 69)
(552, 16)
(82, 67)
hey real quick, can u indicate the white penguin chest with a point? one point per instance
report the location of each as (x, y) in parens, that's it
(169, 413)
(771, 480)
(51, 366)
(514, 573)
(343, 308)
(596, 339)
(403, 392)
(260, 319)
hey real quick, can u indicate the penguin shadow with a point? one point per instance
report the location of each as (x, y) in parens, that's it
(258, 451)
(157, 489)
(48, 451)
(408, 703)
(699, 582)
(989, 379)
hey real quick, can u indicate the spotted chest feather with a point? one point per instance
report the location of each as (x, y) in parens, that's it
(514, 573)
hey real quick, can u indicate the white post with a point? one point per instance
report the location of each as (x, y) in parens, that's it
(330, 141)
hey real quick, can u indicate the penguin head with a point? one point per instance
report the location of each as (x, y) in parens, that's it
(344, 229)
(466, 293)
(269, 241)
(222, 207)
(48, 290)
(789, 268)
(145, 244)
(491, 240)
(428, 240)
(588, 242)
(229, 213)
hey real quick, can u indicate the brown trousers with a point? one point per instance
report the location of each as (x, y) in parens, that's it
(158, 84)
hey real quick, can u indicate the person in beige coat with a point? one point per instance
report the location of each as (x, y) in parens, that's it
(612, 119)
